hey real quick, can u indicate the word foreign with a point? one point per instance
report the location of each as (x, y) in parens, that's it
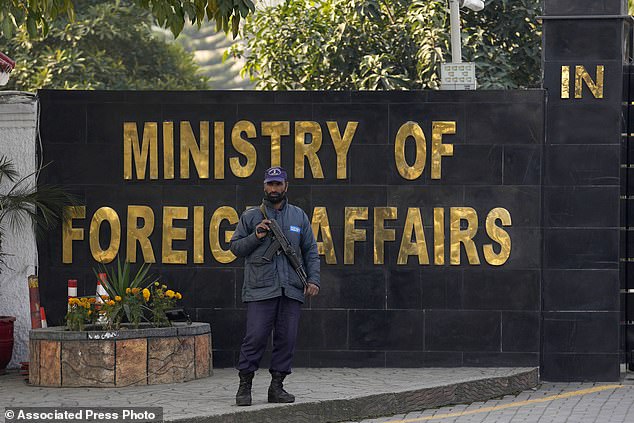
(178, 224)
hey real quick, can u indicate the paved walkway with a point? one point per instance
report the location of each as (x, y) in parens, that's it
(322, 394)
(550, 403)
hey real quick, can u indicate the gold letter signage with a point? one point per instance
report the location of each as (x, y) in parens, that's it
(399, 234)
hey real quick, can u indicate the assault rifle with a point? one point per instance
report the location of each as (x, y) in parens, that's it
(281, 243)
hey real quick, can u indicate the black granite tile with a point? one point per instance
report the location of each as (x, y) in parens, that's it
(582, 165)
(442, 288)
(405, 96)
(63, 123)
(601, 7)
(462, 331)
(400, 330)
(370, 164)
(227, 326)
(324, 329)
(208, 287)
(350, 288)
(352, 359)
(569, 248)
(581, 290)
(522, 165)
(404, 289)
(582, 40)
(82, 166)
(224, 358)
(580, 367)
(580, 332)
(518, 123)
(501, 289)
(581, 207)
(521, 331)
(417, 359)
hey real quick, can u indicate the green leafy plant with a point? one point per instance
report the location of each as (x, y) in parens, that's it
(161, 300)
(122, 282)
(109, 45)
(34, 15)
(381, 45)
(25, 204)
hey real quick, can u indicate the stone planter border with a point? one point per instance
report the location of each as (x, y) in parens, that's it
(125, 357)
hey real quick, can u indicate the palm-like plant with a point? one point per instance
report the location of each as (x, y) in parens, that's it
(26, 205)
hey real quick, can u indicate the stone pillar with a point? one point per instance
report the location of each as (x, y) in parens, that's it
(584, 46)
(17, 143)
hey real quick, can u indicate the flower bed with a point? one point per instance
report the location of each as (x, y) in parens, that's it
(125, 357)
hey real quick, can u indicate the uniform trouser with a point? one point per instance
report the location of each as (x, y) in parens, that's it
(279, 314)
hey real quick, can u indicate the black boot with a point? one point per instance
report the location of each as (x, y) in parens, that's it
(243, 397)
(276, 390)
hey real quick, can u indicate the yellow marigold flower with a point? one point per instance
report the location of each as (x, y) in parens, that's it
(169, 293)
(110, 303)
(117, 298)
(127, 290)
(178, 296)
(135, 290)
(156, 283)
(146, 294)
(86, 305)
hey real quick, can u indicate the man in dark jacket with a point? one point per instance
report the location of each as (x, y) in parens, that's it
(272, 289)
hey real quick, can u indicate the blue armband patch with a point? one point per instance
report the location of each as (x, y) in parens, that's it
(295, 229)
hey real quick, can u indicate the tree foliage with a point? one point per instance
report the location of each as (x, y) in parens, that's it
(380, 44)
(35, 15)
(108, 46)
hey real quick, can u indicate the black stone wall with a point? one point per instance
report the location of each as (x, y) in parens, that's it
(366, 314)
(580, 334)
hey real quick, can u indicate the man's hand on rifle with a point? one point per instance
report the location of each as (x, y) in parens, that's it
(311, 289)
(262, 229)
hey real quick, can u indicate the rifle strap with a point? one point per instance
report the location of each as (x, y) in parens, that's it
(263, 210)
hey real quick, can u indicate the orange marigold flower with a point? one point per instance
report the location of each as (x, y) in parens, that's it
(92, 300)
(127, 290)
(135, 290)
(117, 298)
(110, 303)
(105, 297)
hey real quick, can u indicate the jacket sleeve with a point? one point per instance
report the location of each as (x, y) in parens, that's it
(309, 252)
(244, 240)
